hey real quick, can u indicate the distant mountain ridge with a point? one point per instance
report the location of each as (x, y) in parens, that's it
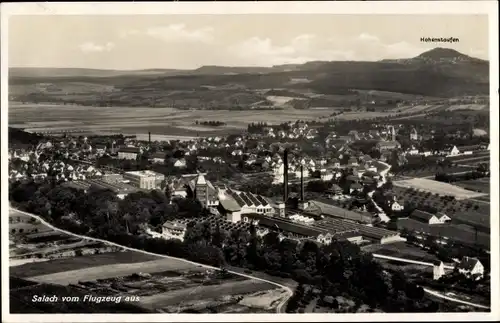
(439, 72)
(436, 55)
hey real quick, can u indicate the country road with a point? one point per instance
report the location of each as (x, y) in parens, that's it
(279, 308)
(408, 261)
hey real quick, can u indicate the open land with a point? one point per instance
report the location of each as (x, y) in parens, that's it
(477, 185)
(401, 250)
(458, 232)
(163, 284)
(159, 121)
(436, 187)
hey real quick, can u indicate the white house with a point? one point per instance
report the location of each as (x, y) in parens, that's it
(325, 239)
(173, 230)
(180, 163)
(453, 151)
(471, 267)
(425, 217)
(438, 270)
(326, 176)
(397, 207)
(443, 218)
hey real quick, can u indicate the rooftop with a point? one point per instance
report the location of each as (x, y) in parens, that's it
(144, 173)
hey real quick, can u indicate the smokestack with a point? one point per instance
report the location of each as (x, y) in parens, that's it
(285, 175)
(149, 137)
(302, 183)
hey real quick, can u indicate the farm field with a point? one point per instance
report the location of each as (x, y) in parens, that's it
(113, 270)
(163, 284)
(431, 171)
(81, 262)
(435, 187)
(141, 120)
(31, 242)
(478, 185)
(455, 232)
(182, 287)
(401, 250)
(469, 211)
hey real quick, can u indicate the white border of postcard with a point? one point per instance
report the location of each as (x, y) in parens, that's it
(489, 8)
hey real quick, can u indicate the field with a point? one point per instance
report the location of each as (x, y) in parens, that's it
(477, 185)
(431, 170)
(112, 270)
(32, 243)
(162, 284)
(457, 232)
(401, 250)
(160, 121)
(75, 263)
(472, 212)
(435, 187)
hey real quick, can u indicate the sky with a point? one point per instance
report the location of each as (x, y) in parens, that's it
(190, 41)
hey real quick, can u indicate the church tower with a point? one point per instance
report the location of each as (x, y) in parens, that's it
(201, 190)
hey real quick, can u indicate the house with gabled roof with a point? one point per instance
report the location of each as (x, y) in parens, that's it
(438, 269)
(471, 267)
(425, 217)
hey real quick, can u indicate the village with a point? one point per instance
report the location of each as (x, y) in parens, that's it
(361, 198)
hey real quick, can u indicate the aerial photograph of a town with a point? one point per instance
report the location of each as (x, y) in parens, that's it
(249, 164)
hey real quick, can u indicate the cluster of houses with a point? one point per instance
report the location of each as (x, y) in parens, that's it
(295, 130)
(469, 266)
(60, 170)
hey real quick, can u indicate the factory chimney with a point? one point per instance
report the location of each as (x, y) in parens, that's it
(302, 183)
(303, 204)
(285, 176)
(149, 138)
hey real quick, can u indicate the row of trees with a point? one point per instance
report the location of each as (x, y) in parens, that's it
(210, 123)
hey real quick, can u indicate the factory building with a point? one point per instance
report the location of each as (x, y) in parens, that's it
(145, 179)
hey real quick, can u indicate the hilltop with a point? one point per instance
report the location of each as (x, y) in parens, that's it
(439, 72)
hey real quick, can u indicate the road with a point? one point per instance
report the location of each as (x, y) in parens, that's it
(408, 261)
(279, 308)
(439, 295)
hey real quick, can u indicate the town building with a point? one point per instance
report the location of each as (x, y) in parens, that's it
(145, 179)
(438, 270)
(201, 189)
(246, 203)
(451, 151)
(387, 145)
(471, 267)
(129, 153)
(157, 157)
(173, 230)
(414, 134)
(425, 217)
(120, 189)
(469, 150)
(326, 208)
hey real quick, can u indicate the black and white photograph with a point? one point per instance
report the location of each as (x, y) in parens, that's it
(315, 160)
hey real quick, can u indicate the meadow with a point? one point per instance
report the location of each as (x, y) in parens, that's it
(435, 187)
(160, 121)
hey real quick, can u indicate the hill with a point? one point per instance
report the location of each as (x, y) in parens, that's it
(439, 72)
(48, 72)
